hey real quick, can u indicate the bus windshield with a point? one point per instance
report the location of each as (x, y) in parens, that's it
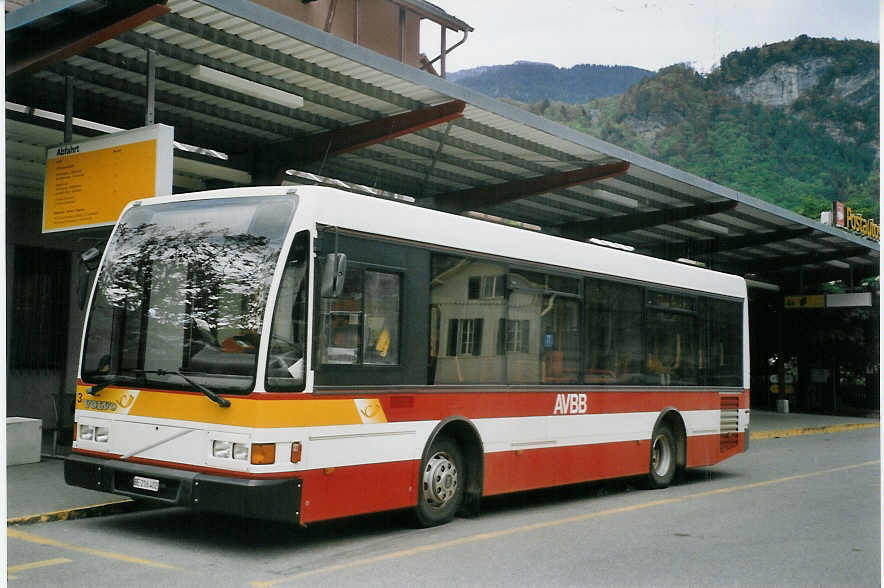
(183, 290)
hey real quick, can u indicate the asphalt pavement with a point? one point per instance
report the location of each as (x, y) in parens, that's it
(37, 492)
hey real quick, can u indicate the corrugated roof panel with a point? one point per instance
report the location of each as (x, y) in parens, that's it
(582, 205)
(507, 150)
(526, 213)
(643, 195)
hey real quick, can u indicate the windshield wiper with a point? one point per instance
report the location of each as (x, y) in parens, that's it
(109, 380)
(213, 396)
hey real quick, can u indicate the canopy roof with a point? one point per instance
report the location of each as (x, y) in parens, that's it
(374, 121)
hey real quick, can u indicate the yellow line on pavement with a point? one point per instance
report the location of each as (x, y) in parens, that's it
(34, 565)
(38, 564)
(69, 513)
(781, 480)
(454, 543)
(16, 534)
(757, 435)
(543, 525)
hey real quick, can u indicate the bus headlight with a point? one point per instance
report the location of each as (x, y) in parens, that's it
(257, 453)
(222, 449)
(87, 433)
(101, 434)
(240, 451)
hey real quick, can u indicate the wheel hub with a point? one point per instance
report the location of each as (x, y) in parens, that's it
(440, 480)
(661, 456)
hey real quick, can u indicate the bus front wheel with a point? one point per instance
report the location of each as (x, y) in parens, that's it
(663, 457)
(441, 484)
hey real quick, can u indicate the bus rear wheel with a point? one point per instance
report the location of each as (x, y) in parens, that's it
(663, 457)
(441, 484)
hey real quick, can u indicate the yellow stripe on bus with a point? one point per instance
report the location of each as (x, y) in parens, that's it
(242, 412)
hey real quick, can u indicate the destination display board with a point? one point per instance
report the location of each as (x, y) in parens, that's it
(814, 301)
(805, 301)
(89, 182)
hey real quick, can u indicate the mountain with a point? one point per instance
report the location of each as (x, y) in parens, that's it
(529, 81)
(794, 123)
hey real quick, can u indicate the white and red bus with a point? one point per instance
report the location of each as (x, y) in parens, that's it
(307, 353)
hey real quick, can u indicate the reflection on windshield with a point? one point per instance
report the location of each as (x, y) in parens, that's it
(184, 287)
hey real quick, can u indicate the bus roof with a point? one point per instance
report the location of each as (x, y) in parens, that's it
(404, 221)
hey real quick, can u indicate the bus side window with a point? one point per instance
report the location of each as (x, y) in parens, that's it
(361, 326)
(724, 323)
(381, 329)
(613, 331)
(342, 322)
(288, 331)
(467, 306)
(671, 339)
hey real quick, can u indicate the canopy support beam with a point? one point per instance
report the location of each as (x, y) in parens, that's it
(485, 196)
(582, 230)
(272, 161)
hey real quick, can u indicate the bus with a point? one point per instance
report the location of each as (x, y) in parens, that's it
(306, 353)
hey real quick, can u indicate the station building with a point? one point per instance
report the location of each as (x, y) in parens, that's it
(257, 92)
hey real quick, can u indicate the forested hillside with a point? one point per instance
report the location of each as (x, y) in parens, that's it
(794, 123)
(528, 81)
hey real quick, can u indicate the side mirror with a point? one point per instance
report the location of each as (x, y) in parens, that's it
(333, 275)
(89, 260)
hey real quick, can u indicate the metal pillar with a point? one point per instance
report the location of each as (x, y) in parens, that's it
(435, 158)
(356, 22)
(402, 35)
(443, 52)
(68, 109)
(151, 87)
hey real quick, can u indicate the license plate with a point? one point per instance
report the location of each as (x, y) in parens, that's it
(146, 484)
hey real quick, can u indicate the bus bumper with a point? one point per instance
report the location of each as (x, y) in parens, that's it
(271, 499)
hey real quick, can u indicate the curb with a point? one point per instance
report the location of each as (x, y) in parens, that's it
(80, 512)
(760, 435)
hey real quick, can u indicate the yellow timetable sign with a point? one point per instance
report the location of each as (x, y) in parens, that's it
(89, 183)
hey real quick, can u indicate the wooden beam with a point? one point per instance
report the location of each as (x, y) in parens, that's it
(275, 159)
(85, 39)
(624, 223)
(484, 196)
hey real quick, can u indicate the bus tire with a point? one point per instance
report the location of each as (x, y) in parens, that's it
(664, 457)
(441, 483)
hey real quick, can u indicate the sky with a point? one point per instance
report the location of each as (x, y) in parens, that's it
(647, 34)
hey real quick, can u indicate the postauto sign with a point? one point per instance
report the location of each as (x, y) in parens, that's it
(846, 218)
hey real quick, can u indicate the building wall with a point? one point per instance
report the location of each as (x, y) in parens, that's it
(378, 23)
(43, 389)
(15, 4)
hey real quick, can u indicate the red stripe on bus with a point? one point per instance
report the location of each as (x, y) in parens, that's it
(705, 450)
(525, 404)
(332, 493)
(346, 491)
(512, 471)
